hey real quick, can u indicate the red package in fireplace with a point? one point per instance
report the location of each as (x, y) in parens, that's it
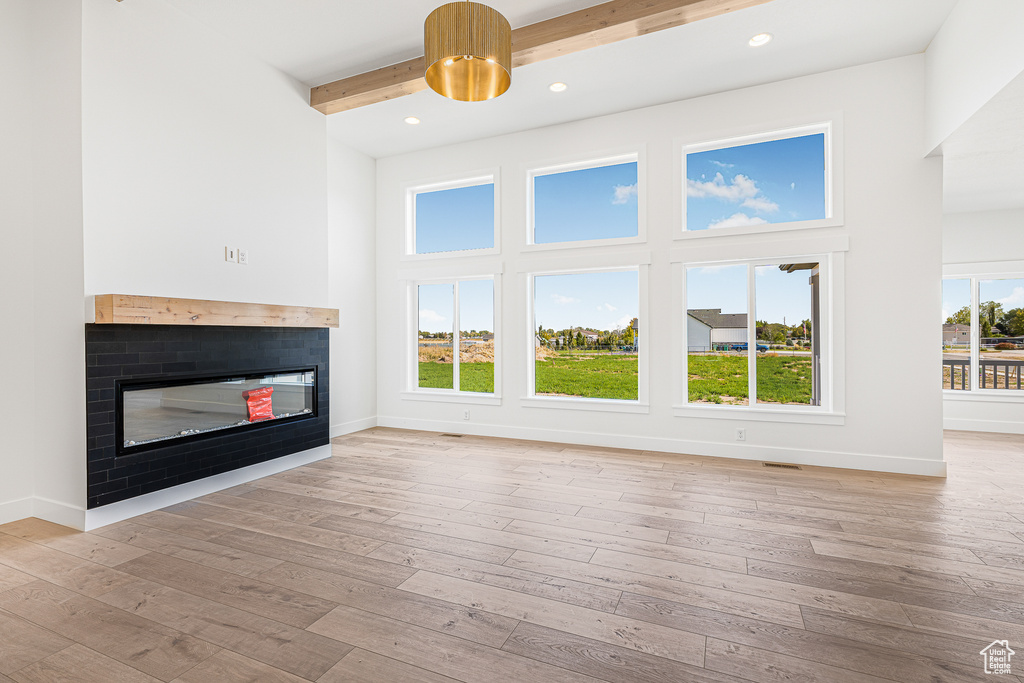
(260, 403)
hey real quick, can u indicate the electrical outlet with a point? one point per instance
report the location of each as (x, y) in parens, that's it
(230, 254)
(741, 434)
(243, 257)
(465, 414)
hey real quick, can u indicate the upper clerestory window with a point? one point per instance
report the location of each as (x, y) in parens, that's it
(758, 183)
(452, 217)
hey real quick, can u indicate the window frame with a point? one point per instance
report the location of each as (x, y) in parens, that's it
(975, 273)
(830, 315)
(454, 395)
(831, 128)
(472, 179)
(636, 155)
(640, 264)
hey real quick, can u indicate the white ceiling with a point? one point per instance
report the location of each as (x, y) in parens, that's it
(317, 41)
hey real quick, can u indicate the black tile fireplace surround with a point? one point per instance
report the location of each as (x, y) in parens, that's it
(122, 354)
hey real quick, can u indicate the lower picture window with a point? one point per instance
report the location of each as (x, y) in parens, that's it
(586, 335)
(753, 334)
(455, 344)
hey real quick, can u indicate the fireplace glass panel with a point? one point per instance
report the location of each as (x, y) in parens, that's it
(159, 413)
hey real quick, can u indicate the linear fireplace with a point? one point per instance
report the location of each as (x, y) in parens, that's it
(152, 412)
(171, 404)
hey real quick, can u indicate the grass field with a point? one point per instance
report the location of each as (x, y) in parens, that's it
(713, 378)
(723, 379)
(589, 376)
(478, 377)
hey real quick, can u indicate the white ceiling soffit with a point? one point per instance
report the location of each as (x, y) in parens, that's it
(983, 160)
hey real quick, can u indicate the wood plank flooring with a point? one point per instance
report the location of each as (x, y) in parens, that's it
(420, 557)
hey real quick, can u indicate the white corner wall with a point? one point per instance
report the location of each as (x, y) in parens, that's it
(16, 262)
(984, 241)
(352, 189)
(42, 413)
(893, 216)
(190, 146)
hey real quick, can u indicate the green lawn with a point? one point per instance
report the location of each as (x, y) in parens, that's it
(713, 379)
(601, 376)
(723, 379)
(478, 377)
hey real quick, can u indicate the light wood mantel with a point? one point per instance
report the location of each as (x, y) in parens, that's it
(154, 310)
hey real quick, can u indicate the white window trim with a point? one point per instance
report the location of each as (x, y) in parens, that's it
(834, 204)
(831, 317)
(637, 155)
(642, 403)
(471, 179)
(975, 273)
(413, 391)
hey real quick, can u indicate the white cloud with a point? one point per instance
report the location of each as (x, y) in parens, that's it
(607, 307)
(740, 188)
(1015, 300)
(792, 186)
(737, 220)
(761, 204)
(623, 193)
(564, 300)
(719, 164)
(429, 316)
(623, 323)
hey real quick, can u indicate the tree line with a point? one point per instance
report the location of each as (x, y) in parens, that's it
(994, 321)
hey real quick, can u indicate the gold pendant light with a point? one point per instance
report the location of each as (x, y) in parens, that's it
(468, 48)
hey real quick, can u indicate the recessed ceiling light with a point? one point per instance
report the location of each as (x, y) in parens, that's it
(412, 120)
(761, 39)
(558, 87)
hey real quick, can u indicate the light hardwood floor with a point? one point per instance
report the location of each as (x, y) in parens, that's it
(415, 557)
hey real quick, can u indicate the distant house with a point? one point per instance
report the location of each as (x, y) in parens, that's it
(708, 328)
(590, 335)
(956, 334)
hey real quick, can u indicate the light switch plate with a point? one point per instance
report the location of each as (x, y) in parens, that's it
(230, 254)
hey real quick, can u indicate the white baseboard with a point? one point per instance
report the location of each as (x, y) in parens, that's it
(354, 426)
(13, 510)
(126, 509)
(797, 456)
(996, 426)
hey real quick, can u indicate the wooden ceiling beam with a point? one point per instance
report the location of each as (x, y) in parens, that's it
(602, 24)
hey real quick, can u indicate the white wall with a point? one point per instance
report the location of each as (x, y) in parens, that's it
(892, 217)
(190, 146)
(42, 409)
(976, 243)
(983, 236)
(975, 54)
(16, 271)
(59, 340)
(351, 254)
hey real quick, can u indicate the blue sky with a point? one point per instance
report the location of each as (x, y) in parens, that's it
(780, 296)
(955, 295)
(476, 301)
(588, 204)
(597, 301)
(765, 182)
(455, 220)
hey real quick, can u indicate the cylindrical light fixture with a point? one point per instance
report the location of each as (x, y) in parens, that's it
(468, 48)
